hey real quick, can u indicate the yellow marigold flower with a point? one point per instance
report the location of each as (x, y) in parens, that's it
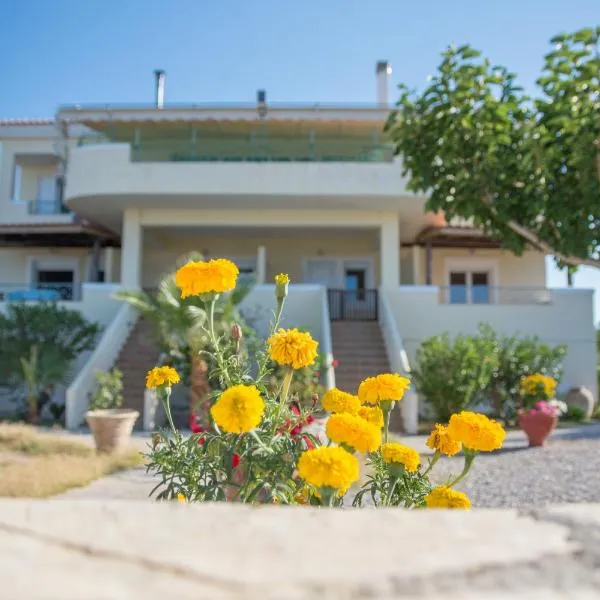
(400, 454)
(181, 498)
(353, 431)
(292, 348)
(161, 376)
(538, 385)
(445, 497)
(386, 387)
(337, 401)
(239, 409)
(439, 439)
(329, 467)
(206, 277)
(371, 414)
(476, 431)
(282, 279)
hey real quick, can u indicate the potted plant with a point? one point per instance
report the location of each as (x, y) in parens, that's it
(111, 425)
(539, 413)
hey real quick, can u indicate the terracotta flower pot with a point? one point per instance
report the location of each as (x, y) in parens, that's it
(537, 426)
(111, 428)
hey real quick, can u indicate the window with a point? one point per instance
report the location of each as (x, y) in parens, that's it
(61, 281)
(355, 279)
(46, 201)
(469, 287)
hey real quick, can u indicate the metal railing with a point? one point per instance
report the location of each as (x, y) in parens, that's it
(47, 207)
(353, 305)
(38, 292)
(483, 294)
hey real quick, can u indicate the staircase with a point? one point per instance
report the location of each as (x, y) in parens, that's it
(360, 351)
(139, 354)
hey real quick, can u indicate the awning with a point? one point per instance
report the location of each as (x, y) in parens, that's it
(56, 234)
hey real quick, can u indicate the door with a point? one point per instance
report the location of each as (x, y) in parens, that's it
(469, 287)
(46, 195)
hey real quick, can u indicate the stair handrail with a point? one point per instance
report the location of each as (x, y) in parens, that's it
(398, 360)
(102, 358)
(326, 343)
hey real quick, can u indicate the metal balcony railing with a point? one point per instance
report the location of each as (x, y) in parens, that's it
(47, 207)
(484, 294)
(39, 292)
(353, 305)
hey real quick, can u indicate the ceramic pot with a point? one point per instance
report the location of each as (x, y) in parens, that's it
(537, 426)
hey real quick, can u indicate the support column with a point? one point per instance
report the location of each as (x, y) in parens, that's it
(94, 262)
(131, 250)
(428, 263)
(261, 265)
(416, 264)
(389, 250)
(109, 264)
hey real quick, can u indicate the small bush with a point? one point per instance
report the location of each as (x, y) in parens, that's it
(452, 375)
(109, 393)
(574, 413)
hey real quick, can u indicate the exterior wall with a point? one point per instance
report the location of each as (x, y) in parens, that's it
(16, 210)
(419, 315)
(528, 270)
(89, 164)
(15, 263)
(284, 253)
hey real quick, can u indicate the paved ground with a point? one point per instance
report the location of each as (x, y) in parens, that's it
(567, 470)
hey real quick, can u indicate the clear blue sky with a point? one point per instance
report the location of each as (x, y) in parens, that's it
(56, 52)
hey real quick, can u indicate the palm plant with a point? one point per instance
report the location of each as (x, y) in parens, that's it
(180, 328)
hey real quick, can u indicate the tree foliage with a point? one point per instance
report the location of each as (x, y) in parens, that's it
(526, 170)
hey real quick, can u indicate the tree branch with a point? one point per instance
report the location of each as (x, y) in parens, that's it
(539, 244)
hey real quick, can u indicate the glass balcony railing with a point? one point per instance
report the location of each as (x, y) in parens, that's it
(184, 149)
(47, 207)
(38, 292)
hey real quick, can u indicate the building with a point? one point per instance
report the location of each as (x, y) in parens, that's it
(108, 196)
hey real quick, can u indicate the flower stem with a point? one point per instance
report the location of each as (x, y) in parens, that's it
(469, 458)
(165, 396)
(214, 340)
(386, 422)
(432, 462)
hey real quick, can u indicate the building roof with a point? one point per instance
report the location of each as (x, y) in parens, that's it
(28, 121)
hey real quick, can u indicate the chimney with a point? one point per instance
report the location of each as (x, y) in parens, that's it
(261, 102)
(159, 74)
(383, 70)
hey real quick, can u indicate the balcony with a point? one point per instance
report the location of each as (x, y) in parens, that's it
(47, 206)
(485, 294)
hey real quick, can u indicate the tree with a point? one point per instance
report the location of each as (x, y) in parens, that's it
(39, 344)
(527, 171)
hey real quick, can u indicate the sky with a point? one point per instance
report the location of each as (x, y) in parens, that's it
(104, 51)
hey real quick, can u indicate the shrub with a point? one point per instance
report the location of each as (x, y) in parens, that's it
(575, 413)
(516, 358)
(109, 393)
(452, 375)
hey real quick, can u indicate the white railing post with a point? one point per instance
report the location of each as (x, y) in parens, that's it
(326, 344)
(103, 358)
(398, 362)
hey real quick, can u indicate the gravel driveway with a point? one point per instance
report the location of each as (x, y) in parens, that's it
(567, 470)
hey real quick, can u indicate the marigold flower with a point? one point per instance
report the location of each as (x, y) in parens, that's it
(386, 387)
(238, 409)
(337, 401)
(539, 386)
(282, 279)
(206, 277)
(393, 453)
(476, 431)
(439, 439)
(161, 376)
(293, 348)
(329, 467)
(445, 497)
(353, 431)
(181, 498)
(371, 414)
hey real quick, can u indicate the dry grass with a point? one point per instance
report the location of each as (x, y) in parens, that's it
(37, 465)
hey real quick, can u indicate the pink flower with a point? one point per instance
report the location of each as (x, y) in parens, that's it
(235, 461)
(335, 363)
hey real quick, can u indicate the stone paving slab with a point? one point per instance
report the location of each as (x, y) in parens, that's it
(90, 550)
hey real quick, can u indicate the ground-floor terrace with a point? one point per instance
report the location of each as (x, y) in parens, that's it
(345, 267)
